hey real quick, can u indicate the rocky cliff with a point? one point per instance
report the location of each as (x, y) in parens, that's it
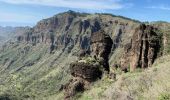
(70, 30)
(143, 49)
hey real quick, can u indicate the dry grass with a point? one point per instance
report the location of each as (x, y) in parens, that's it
(151, 84)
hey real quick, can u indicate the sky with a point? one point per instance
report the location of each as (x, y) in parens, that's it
(29, 12)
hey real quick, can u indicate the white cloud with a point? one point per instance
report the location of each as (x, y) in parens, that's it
(82, 4)
(162, 7)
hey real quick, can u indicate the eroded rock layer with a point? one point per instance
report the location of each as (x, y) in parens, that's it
(143, 49)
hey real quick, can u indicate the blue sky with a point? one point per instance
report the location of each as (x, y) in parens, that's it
(29, 12)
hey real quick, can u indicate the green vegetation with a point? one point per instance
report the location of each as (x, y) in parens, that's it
(88, 59)
(33, 73)
(164, 96)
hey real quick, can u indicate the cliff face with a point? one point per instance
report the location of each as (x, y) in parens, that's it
(143, 49)
(63, 30)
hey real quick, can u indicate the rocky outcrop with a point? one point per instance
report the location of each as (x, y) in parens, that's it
(83, 73)
(89, 69)
(143, 49)
(101, 45)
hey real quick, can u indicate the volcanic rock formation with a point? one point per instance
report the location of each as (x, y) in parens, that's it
(143, 49)
(91, 68)
(101, 45)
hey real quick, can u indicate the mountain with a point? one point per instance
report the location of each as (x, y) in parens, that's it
(71, 53)
(6, 33)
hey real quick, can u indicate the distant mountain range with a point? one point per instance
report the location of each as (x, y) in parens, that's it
(7, 32)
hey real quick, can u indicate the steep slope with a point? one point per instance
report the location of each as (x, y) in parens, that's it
(36, 64)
